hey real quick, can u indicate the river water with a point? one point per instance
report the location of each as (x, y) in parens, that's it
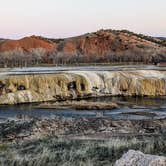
(129, 108)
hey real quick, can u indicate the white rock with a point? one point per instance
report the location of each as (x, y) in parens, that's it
(137, 158)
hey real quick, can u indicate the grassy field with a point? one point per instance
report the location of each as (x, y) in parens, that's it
(54, 152)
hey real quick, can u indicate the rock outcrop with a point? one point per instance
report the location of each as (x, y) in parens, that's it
(80, 84)
(137, 158)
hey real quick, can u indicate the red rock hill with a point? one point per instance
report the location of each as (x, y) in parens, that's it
(26, 44)
(100, 46)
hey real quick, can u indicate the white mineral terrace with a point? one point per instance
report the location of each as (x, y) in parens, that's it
(28, 85)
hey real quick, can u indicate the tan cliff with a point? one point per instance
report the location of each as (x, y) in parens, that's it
(80, 84)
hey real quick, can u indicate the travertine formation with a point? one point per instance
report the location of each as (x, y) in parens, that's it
(80, 84)
(132, 158)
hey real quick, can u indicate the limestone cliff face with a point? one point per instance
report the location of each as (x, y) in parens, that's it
(80, 84)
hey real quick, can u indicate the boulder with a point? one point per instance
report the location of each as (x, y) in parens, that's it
(137, 158)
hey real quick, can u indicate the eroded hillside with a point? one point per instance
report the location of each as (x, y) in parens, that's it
(96, 47)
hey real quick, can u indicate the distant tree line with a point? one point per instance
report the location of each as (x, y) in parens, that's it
(19, 58)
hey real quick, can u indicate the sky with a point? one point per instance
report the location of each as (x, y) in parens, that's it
(66, 18)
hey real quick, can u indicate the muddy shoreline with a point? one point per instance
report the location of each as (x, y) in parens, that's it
(80, 128)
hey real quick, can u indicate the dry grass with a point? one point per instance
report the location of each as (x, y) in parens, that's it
(51, 151)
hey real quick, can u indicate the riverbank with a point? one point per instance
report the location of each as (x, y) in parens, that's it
(47, 133)
(80, 128)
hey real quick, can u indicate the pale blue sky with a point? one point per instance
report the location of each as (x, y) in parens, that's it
(64, 18)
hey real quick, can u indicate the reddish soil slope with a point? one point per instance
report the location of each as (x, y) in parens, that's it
(104, 42)
(100, 46)
(26, 44)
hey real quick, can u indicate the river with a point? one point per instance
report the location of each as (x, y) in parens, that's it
(129, 108)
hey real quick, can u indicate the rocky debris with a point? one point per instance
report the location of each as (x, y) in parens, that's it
(12, 130)
(82, 126)
(137, 158)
